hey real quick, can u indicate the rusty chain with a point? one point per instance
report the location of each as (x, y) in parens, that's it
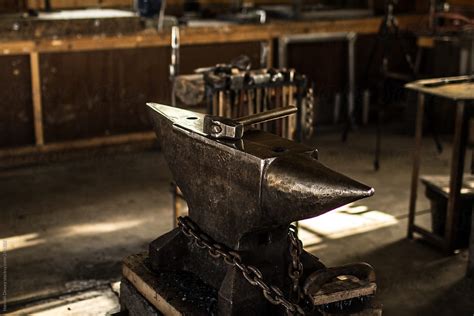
(252, 274)
(308, 104)
(295, 269)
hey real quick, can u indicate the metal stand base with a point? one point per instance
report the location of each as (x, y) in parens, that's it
(147, 293)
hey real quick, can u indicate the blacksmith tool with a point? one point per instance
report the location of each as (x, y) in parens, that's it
(243, 193)
(218, 127)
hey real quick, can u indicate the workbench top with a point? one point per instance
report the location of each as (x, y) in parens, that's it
(453, 88)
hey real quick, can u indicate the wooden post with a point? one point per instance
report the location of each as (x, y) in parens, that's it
(270, 53)
(470, 262)
(457, 169)
(416, 163)
(36, 93)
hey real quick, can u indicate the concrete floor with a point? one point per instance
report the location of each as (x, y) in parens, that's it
(68, 225)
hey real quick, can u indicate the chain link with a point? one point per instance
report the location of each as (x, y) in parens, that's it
(295, 269)
(309, 106)
(252, 274)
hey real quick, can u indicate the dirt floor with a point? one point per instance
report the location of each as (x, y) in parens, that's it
(66, 227)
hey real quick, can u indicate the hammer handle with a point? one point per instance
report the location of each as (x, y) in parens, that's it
(267, 116)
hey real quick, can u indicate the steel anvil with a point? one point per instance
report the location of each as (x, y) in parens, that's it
(244, 193)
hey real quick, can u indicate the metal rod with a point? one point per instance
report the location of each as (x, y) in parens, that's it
(161, 16)
(267, 116)
(174, 66)
(351, 38)
(264, 53)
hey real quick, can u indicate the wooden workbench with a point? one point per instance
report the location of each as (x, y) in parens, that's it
(460, 91)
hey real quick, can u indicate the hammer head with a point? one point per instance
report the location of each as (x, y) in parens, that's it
(256, 183)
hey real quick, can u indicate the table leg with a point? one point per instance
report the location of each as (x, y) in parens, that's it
(457, 169)
(416, 163)
(470, 262)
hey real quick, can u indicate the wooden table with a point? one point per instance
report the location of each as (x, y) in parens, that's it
(462, 95)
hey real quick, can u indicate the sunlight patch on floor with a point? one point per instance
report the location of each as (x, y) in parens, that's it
(34, 239)
(21, 241)
(95, 302)
(308, 238)
(346, 221)
(99, 228)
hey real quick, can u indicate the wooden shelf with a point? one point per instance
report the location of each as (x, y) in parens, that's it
(440, 184)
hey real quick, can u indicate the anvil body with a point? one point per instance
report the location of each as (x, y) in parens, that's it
(244, 194)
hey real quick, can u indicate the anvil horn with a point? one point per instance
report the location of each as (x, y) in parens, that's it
(302, 183)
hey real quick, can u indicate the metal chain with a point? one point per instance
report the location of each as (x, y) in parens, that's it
(295, 269)
(309, 106)
(253, 275)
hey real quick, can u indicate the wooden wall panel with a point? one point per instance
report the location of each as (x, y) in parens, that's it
(462, 2)
(16, 114)
(91, 94)
(9, 6)
(325, 65)
(196, 56)
(422, 6)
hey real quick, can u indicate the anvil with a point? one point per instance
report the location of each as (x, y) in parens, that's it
(244, 193)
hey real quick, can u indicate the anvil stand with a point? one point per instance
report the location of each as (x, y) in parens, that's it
(244, 187)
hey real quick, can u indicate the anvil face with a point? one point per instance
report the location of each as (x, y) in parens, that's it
(258, 183)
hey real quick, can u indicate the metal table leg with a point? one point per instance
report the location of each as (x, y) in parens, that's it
(350, 120)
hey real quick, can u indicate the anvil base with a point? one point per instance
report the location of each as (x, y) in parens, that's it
(148, 293)
(145, 292)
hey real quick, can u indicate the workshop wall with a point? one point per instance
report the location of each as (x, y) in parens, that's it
(16, 116)
(9, 6)
(96, 93)
(326, 65)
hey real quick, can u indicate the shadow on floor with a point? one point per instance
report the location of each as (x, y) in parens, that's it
(415, 279)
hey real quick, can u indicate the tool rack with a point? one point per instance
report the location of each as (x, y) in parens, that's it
(243, 93)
